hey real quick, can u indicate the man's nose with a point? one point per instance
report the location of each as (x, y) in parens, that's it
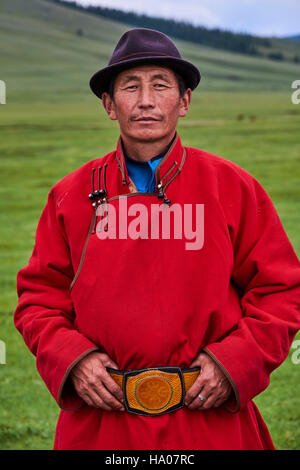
(146, 97)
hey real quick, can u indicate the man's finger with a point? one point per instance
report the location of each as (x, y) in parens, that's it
(193, 392)
(196, 402)
(112, 386)
(92, 399)
(222, 398)
(214, 400)
(199, 361)
(211, 400)
(109, 399)
(108, 362)
(219, 402)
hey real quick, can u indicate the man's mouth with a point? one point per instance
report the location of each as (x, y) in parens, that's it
(146, 119)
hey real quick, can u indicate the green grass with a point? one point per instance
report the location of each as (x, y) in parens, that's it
(52, 124)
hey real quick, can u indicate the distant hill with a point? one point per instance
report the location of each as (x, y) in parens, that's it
(51, 51)
(293, 38)
(216, 38)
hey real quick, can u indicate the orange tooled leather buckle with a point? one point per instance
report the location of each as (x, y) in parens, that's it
(153, 391)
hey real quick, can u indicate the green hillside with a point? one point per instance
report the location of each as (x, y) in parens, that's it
(293, 38)
(52, 124)
(41, 50)
(215, 37)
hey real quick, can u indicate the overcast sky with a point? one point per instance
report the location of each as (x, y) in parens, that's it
(260, 17)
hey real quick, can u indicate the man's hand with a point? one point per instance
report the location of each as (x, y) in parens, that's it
(93, 383)
(211, 383)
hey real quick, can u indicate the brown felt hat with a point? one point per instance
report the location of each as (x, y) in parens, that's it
(143, 46)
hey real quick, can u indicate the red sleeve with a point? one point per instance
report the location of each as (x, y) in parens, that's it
(44, 315)
(267, 271)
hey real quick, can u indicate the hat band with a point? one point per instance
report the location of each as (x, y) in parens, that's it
(143, 53)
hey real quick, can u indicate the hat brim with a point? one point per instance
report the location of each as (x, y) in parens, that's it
(99, 83)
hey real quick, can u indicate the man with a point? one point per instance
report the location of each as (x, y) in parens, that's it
(145, 338)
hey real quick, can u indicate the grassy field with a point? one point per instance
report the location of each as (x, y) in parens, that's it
(52, 124)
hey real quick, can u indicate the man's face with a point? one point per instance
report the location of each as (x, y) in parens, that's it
(147, 103)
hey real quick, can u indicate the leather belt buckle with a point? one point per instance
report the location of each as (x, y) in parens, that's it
(153, 391)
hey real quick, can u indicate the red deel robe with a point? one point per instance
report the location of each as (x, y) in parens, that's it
(150, 302)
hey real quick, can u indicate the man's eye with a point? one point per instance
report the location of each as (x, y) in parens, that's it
(131, 87)
(159, 85)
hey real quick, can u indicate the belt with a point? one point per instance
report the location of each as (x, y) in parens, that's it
(156, 390)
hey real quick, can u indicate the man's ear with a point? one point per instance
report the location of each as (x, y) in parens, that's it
(109, 106)
(185, 102)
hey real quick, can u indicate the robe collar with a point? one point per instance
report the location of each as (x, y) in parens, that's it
(167, 169)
